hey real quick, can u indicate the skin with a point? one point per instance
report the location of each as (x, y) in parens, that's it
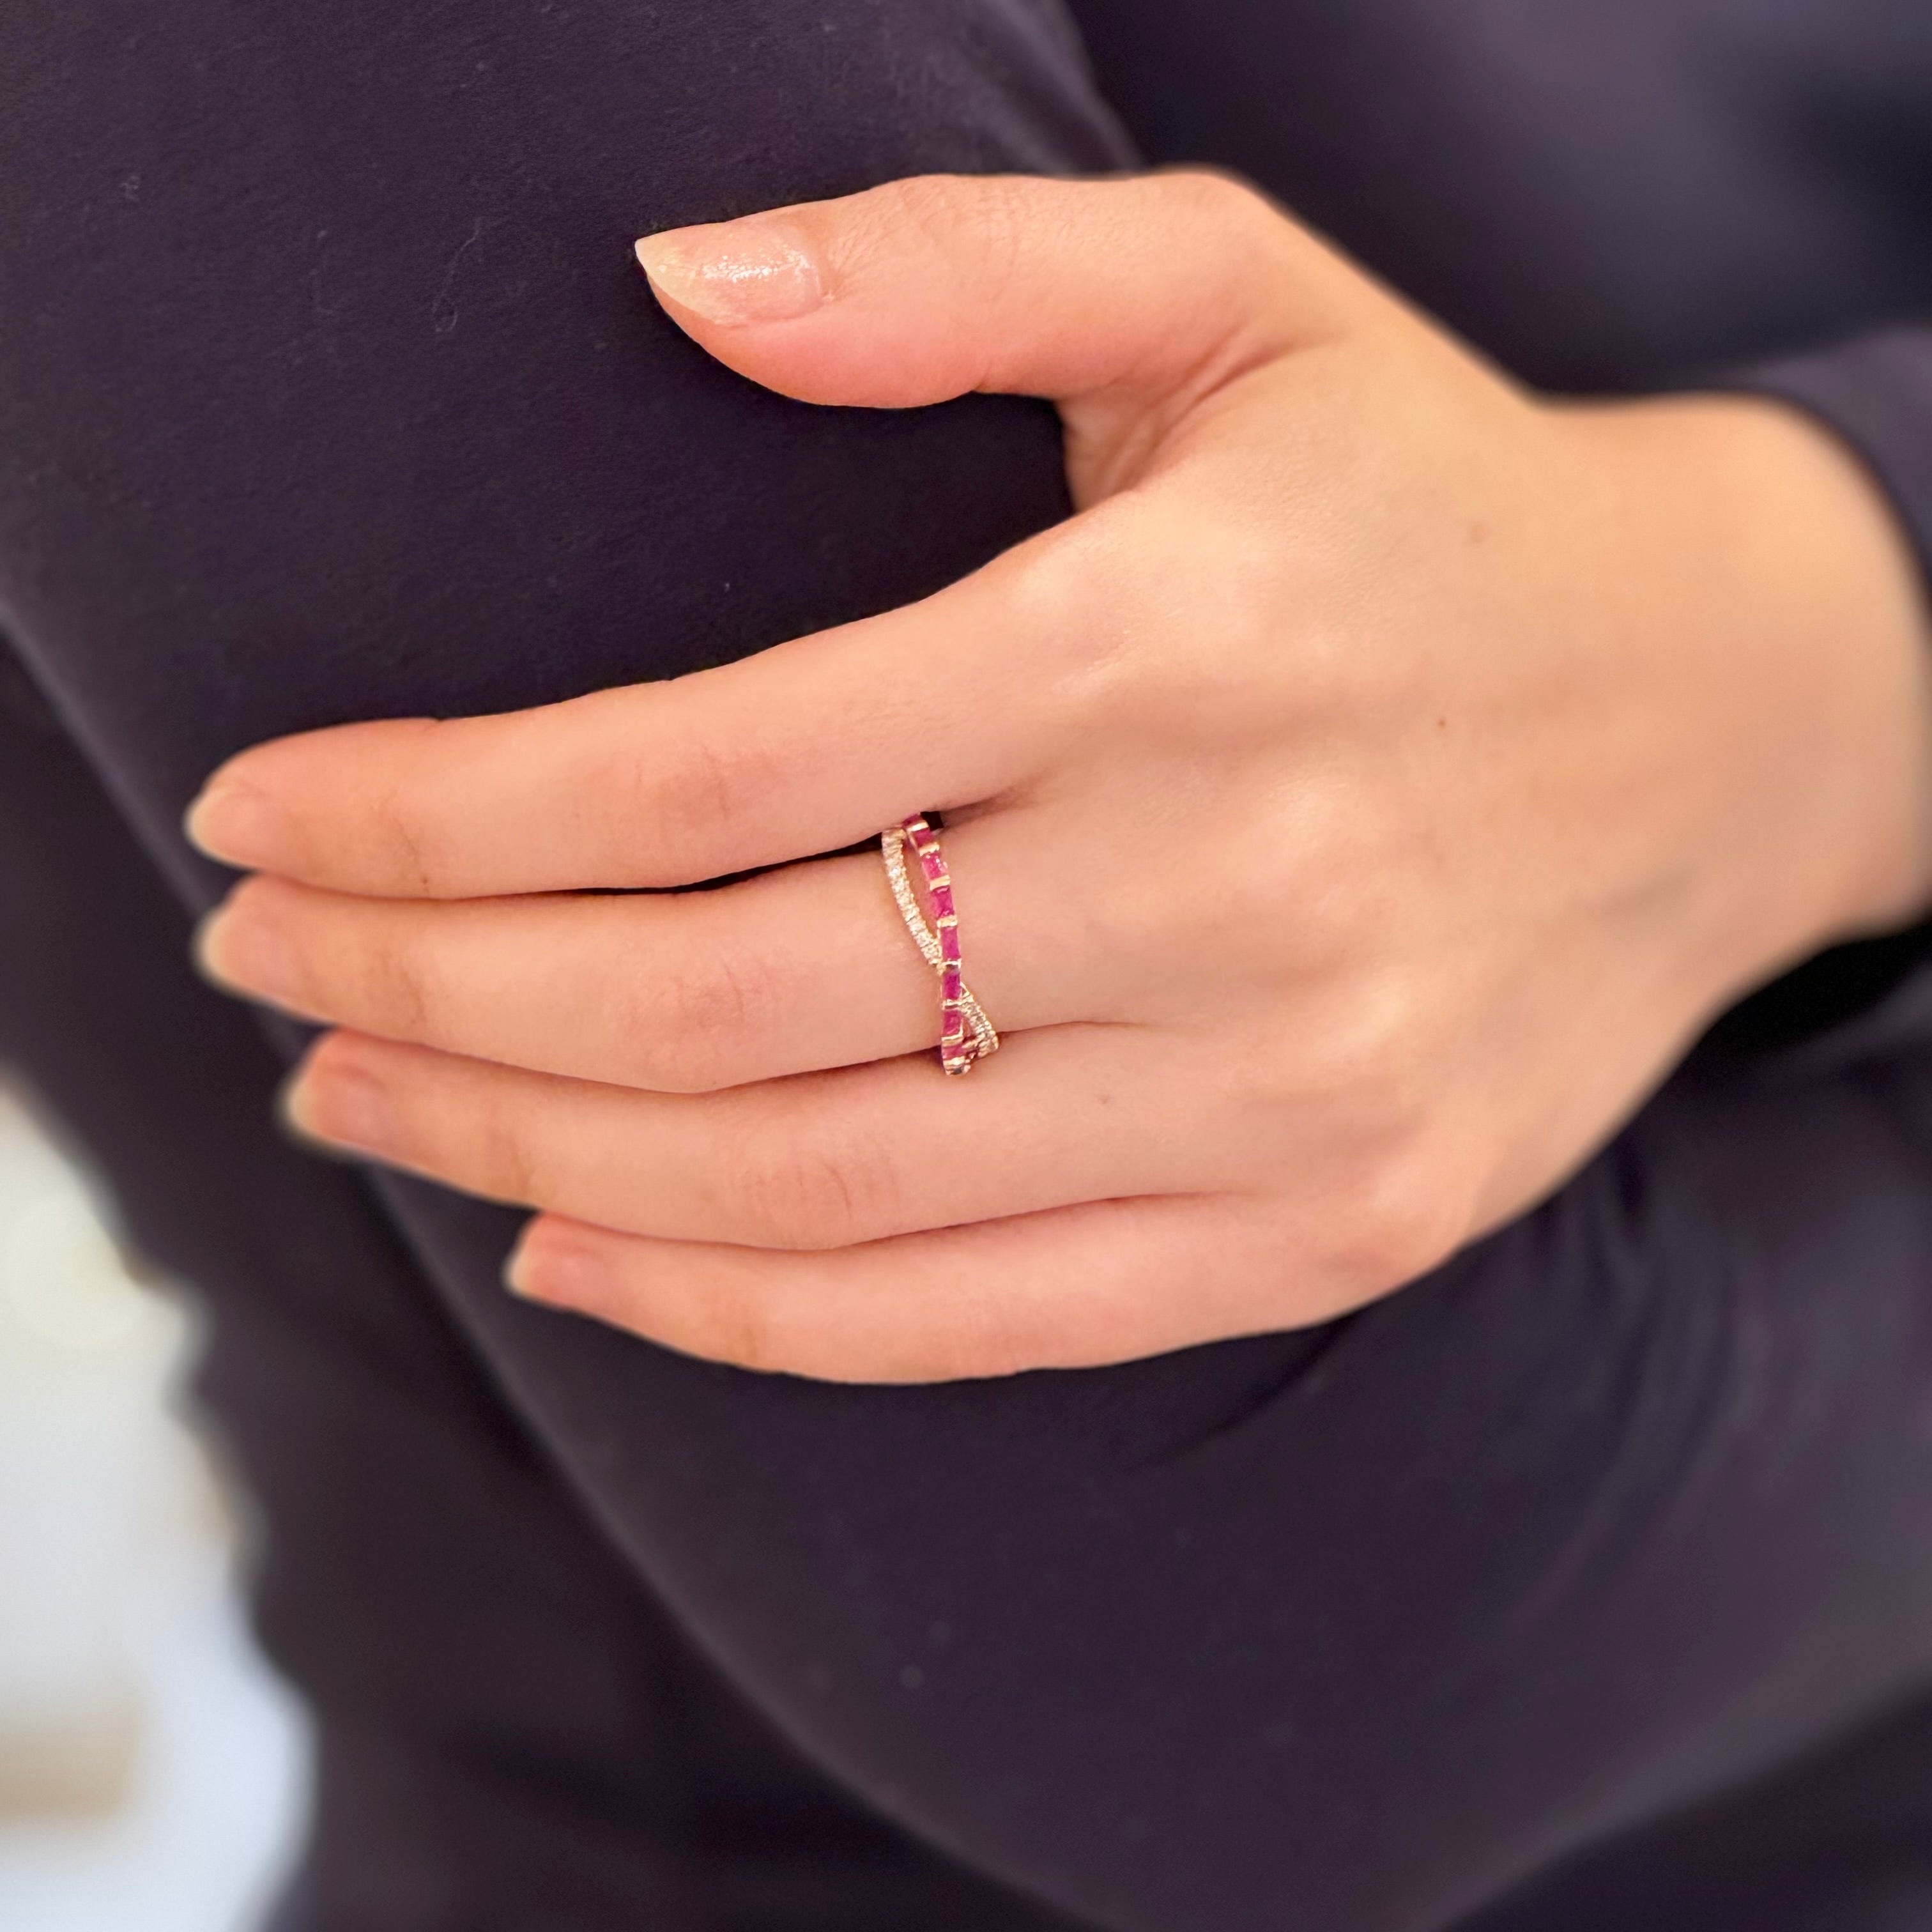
(1354, 810)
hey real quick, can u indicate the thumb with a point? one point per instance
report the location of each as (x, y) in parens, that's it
(923, 289)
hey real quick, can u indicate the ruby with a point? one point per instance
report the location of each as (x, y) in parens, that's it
(942, 901)
(949, 944)
(929, 858)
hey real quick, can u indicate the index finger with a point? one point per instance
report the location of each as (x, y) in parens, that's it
(805, 748)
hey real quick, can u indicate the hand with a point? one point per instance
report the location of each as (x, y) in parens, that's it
(1354, 811)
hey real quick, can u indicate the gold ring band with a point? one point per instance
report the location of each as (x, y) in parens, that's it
(966, 1034)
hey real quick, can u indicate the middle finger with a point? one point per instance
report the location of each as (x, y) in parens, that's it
(823, 1161)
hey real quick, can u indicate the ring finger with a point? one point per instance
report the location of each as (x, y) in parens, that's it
(807, 967)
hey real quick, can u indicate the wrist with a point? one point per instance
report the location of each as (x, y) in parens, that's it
(1781, 581)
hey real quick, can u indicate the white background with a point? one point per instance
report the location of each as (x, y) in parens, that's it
(152, 1771)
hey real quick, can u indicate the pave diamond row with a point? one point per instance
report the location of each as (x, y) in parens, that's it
(939, 942)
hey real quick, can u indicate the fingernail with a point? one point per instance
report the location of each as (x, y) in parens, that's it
(235, 824)
(347, 1106)
(239, 948)
(549, 1267)
(735, 272)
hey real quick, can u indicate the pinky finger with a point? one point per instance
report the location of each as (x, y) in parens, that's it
(1069, 1288)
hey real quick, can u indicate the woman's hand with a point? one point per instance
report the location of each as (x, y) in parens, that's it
(1354, 811)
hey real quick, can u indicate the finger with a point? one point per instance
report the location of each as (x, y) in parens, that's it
(806, 967)
(1068, 1114)
(923, 289)
(807, 748)
(1072, 1288)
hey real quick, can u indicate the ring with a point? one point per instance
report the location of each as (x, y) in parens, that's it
(960, 1014)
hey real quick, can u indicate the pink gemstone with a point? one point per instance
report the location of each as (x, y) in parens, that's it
(948, 982)
(942, 901)
(948, 944)
(929, 858)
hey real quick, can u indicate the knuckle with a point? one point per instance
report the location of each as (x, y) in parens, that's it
(401, 823)
(1094, 599)
(987, 214)
(494, 1156)
(1050, 585)
(1099, 594)
(1377, 1051)
(1253, 230)
(1197, 194)
(395, 990)
(980, 230)
(1344, 886)
(695, 1025)
(406, 844)
(1316, 860)
(733, 1323)
(813, 1191)
(1410, 1212)
(1263, 238)
(1002, 218)
(708, 784)
(687, 811)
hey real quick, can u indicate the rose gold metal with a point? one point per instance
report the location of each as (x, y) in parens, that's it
(957, 1053)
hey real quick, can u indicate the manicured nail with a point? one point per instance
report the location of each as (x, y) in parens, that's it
(346, 1105)
(550, 1267)
(240, 948)
(237, 824)
(735, 272)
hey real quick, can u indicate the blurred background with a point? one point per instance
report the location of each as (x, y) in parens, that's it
(153, 1771)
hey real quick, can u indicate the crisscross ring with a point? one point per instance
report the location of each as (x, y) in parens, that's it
(966, 1035)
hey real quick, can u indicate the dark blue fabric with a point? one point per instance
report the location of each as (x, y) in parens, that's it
(511, 1734)
(327, 390)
